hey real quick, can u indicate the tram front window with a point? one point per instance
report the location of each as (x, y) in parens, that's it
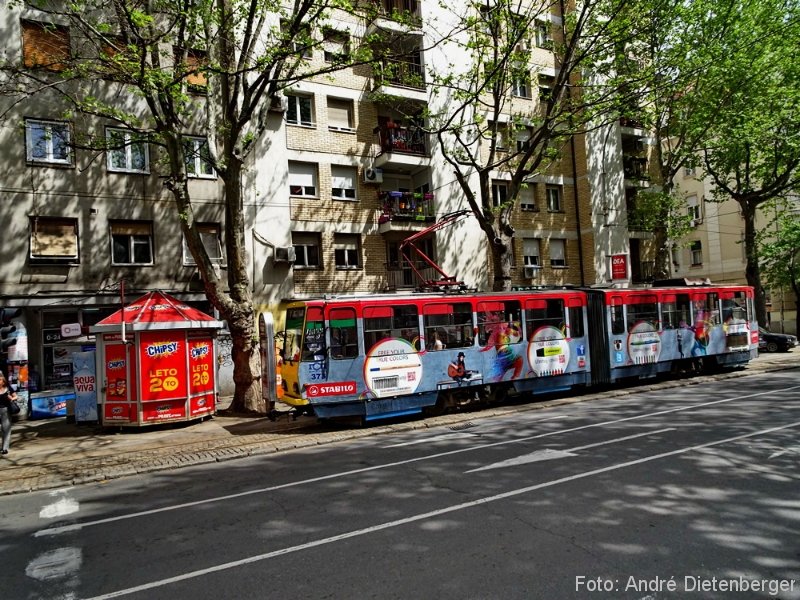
(314, 335)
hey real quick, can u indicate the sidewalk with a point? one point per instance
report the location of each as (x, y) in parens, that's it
(53, 453)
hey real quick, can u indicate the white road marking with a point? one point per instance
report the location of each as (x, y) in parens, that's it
(459, 435)
(55, 564)
(144, 513)
(427, 515)
(436, 438)
(61, 507)
(550, 454)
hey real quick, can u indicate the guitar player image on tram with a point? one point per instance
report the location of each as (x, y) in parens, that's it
(457, 370)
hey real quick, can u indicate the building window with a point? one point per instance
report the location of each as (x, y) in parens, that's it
(303, 179)
(345, 251)
(301, 41)
(336, 46)
(127, 151)
(54, 240)
(196, 61)
(558, 253)
(340, 114)
(210, 236)
(521, 85)
(48, 142)
(300, 110)
(688, 171)
(527, 198)
(306, 249)
(198, 157)
(696, 250)
(131, 243)
(544, 39)
(522, 137)
(531, 252)
(694, 210)
(343, 183)
(499, 193)
(500, 137)
(45, 46)
(553, 193)
(546, 84)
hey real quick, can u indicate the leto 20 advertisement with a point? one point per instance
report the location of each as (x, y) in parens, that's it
(163, 383)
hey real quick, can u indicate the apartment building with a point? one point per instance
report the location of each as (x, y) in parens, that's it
(346, 172)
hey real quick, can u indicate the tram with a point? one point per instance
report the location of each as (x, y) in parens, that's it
(382, 356)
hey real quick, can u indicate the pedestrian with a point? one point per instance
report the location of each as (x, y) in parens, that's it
(7, 396)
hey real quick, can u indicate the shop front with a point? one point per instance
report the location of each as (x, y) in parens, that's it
(156, 362)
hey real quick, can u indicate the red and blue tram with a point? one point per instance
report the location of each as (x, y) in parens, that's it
(382, 356)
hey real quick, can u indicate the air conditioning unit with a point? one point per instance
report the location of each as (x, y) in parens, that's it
(279, 103)
(530, 272)
(373, 175)
(285, 254)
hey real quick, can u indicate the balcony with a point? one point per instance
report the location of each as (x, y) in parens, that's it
(401, 147)
(405, 211)
(397, 15)
(399, 278)
(635, 168)
(404, 79)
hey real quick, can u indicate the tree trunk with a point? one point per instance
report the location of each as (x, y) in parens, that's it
(752, 268)
(239, 312)
(502, 261)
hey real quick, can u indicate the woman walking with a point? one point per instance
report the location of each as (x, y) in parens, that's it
(7, 396)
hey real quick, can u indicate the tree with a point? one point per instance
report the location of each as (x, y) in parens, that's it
(137, 63)
(753, 149)
(779, 253)
(501, 112)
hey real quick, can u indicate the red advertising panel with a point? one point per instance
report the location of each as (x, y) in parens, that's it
(201, 365)
(200, 405)
(164, 410)
(619, 266)
(162, 364)
(115, 373)
(119, 412)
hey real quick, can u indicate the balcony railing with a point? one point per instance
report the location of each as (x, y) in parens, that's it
(404, 277)
(645, 272)
(400, 73)
(631, 122)
(408, 140)
(637, 221)
(406, 9)
(635, 167)
(406, 206)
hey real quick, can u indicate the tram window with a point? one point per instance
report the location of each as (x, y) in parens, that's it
(734, 308)
(499, 319)
(713, 307)
(294, 333)
(544, 313)
(644, 310)
(313, 335)
(617, 316)
(683, 311)
(448, 325)
(344, 336)
(576, 322)
(391, 321)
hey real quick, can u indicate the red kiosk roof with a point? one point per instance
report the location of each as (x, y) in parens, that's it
(157, 310)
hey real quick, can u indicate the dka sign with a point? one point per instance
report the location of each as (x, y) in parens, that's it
(619, 266)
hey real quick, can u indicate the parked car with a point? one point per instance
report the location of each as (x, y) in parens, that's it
(775, 342)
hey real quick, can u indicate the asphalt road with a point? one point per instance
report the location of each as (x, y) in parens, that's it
(680, 493)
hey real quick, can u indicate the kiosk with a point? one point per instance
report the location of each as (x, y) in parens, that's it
(156, 362)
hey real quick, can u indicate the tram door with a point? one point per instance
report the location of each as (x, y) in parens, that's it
(290, 354)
